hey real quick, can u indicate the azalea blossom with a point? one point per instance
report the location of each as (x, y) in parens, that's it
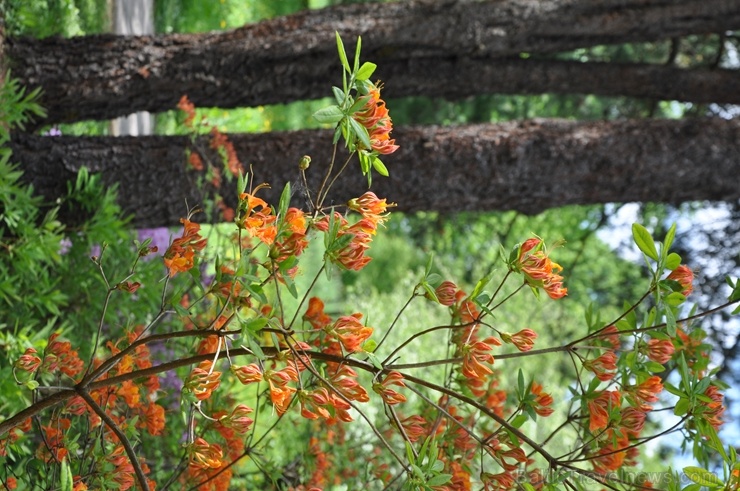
(539, 270)
(389, 395)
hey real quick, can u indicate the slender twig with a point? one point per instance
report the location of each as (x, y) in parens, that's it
(395, 320)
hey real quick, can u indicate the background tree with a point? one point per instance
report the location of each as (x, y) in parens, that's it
(287, 58)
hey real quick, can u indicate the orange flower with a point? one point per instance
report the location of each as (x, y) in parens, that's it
(28, 361)
(179, 257)
(633, 420)
(714, 410)
(414, 427)
(523, 340)
(189, 109)
(446, 293)
(389, 395)
(281, 396)
(371, 207)
(600, 407)
(204, 455)
(685, 277)
(474, 355)
(238, 419)
(350, 332)
(646, 392)
(152, 417)
(247, 374)
(603, 367)
(660, 350)
(375, 118)
(538, 270)
(203, 380)
(315, 314)
(344, 381)
(542, 401)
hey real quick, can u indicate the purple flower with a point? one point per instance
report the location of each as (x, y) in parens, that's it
(160, 237)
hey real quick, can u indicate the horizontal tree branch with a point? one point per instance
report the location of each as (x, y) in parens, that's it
(528, 166)
(291, 58)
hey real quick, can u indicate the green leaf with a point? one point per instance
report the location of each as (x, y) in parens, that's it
(439, 480)
(379, 166)
(654, 367)
(519, 420)
(65, 477)
(342, 53)
(644, 241)
(255, 325)
(520, 383)
(366, 71)
(32, 384)
(369, 346)
(434, 279)
(668, 242)
(375, 360)
(672, 261)
(330, 114)
(481, 285)
(682, 407)
(670, 322)
(702, 476)
(361, 133)
(674, 299)
(284, 200)
(358, 48)
(339, 95)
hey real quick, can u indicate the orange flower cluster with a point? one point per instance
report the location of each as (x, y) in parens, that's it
(28, 361)
(542, 400)
(180, 256)
(350, 254)
(350, 332)
(371, 208)
(59, 356)
(660, 350)
(645, 392)
(714, 410)
(203, 380)
(604, 367)
(281, 394)
(475, 354)
(221, 143)
(389, 395)
(376, 120)
(539, 270)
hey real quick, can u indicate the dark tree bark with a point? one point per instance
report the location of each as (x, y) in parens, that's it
(293, 57)
(528, 166)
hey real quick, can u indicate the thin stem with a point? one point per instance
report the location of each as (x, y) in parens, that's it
(344, 166)
(398, 316)
(421, 333)
(326, 177)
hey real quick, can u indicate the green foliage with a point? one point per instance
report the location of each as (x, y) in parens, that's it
(43, 18)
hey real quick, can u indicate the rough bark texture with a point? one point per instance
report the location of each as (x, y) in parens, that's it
(528, 166)
(285, 59)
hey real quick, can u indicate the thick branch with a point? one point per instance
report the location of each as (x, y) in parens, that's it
(527, 166)
(290, 58)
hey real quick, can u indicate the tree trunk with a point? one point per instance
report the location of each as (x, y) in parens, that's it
(527, 166)
(294, 57)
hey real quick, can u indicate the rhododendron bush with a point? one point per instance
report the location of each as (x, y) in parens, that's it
(260, 361)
